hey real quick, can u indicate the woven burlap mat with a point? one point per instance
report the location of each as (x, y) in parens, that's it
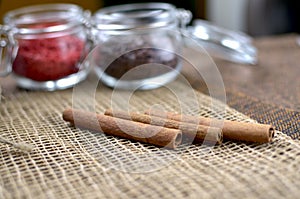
(284, 119)
(73, 163)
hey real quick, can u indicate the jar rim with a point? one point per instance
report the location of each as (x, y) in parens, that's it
(135, 15)
(59, 17)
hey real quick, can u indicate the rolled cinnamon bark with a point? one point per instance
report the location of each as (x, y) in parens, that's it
(232, 130)
(159, 136)
(190, 132)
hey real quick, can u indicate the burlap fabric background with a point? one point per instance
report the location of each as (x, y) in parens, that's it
(72, 163)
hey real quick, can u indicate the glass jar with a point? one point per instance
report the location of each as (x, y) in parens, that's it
(138, 44)
(45, 44)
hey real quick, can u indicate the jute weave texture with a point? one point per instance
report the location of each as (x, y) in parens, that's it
(74, 163)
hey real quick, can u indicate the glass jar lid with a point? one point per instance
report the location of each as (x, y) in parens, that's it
(53, 17)
(133, 16)
(223, 43)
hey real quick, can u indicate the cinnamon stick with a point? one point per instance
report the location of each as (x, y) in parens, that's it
(232, 130)
(159, 136)
(190, 132)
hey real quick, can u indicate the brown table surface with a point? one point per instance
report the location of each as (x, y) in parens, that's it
(268, 92)
(275, 79)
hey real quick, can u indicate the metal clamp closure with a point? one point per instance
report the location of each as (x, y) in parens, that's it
(8, 50)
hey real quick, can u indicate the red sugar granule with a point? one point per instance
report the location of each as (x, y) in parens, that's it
(48, 58)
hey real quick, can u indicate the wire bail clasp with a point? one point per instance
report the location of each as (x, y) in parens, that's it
(8, 50)
(184, 17)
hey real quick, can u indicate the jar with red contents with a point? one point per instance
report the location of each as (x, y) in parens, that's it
(44, 45)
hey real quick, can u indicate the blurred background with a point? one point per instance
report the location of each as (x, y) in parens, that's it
(255, 17)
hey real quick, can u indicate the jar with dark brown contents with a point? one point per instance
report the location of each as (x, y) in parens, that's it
(137, 45)
(139, 57)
